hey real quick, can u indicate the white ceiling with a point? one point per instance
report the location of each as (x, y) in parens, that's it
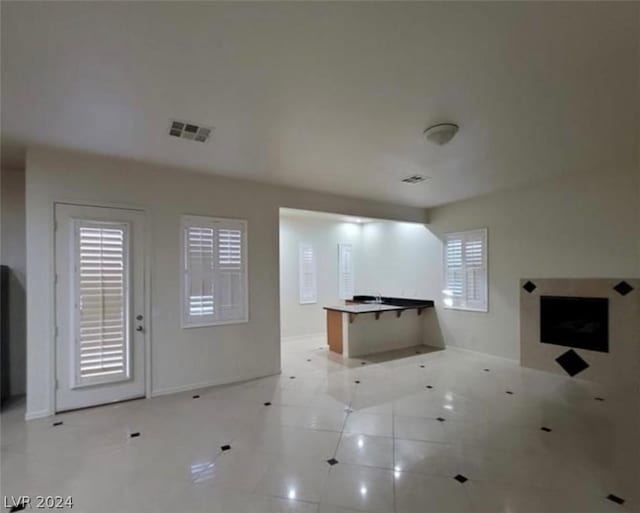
(330, 96)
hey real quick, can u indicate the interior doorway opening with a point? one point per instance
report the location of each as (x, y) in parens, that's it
(330, 260)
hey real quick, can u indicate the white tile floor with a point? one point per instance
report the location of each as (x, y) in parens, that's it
(393, 453)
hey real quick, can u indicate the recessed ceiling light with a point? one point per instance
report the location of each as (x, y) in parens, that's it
(190, 131)
(413, 179)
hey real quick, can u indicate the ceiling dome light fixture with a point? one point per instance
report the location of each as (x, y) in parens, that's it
(441, 133)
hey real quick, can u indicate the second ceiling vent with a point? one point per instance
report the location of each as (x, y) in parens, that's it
(190, 131)
(415, 179)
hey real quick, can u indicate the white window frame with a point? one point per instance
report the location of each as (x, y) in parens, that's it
(345, 292)
(215, 223)
(461, 303)
(309, 297)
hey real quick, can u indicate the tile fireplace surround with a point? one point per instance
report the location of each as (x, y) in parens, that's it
(620, 366)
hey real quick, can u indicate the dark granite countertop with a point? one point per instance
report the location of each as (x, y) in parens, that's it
(361, 305)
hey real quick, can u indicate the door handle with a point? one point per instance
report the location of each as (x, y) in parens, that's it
(139, 328)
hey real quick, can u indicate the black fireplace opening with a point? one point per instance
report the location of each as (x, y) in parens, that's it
(580, 322)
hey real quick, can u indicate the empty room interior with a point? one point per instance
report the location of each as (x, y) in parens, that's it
(320, 257)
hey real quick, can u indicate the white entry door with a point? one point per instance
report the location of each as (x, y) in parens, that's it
(100, 309)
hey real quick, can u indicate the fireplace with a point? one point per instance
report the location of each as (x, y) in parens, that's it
(585, 328)
(579, 322)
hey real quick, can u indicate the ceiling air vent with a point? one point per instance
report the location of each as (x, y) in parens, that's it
(191, 131)
(415, 179)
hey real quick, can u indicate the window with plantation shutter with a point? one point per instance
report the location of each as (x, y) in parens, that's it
(307, 274)
(102, 315)
(465, 268)
(214, 267)
(345, 271)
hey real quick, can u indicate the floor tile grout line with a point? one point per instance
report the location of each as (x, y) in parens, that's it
(393, 454)
(344, 425)
(284, 497)
(335, 452)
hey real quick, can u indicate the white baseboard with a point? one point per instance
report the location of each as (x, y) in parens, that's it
(172, 390)
(210, 383)
(32, 415)
(483, 353)
(297, 338)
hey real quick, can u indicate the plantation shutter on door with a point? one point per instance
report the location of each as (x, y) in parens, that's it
(214, 271)
(307, 274)
(345, 271)
(466, 270)
(101, 273)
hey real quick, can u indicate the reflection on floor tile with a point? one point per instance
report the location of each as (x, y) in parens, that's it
(323, 443)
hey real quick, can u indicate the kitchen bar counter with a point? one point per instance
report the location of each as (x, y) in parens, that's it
(352, 333)
(366, 304)
(362, 309)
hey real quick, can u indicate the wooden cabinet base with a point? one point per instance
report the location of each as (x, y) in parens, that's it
(334, 331)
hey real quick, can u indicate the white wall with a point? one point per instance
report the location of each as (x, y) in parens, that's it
(579, 226)
(180, 359)
(13, 255)
(402, 260)
(304, 320)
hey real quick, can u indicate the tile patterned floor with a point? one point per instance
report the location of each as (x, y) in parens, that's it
(406, 430)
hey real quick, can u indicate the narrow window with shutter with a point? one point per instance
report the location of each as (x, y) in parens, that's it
(345, 271)
(465, 271)
(214, 267)
(307, 274)
(101, 273)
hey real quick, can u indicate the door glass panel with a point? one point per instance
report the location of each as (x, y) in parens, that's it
(101, 303)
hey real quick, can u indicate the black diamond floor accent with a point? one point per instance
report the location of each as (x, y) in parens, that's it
(363, 363)
(616, 499)
(196, 397)
(429, 386)
(225, 447)
(59, 423)
(308, 359)
(440, 419)
(422, 366)
(267, 404)
(357, 381)
(623, 288)
(461, 479)
(509, 392)
(544, 428)
(292, 377)
(599, 398)
(486, 370)
(332, 461)
(134, 435)
(529, 287)
(572, 362)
